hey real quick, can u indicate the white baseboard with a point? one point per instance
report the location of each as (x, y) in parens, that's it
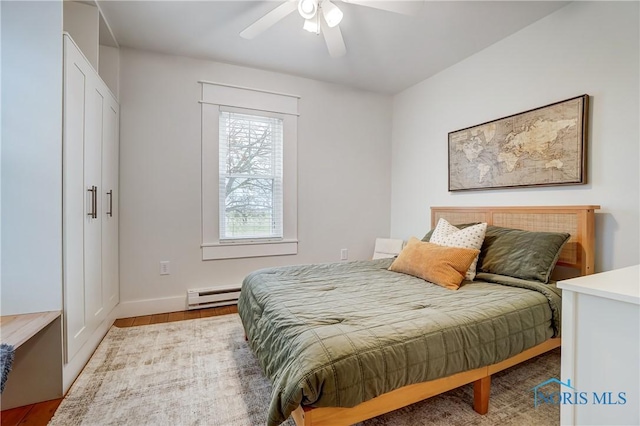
(136, 308)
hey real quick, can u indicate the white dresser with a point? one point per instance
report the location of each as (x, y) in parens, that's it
(601, 348)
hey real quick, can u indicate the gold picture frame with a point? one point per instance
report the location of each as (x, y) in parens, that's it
(545, 146)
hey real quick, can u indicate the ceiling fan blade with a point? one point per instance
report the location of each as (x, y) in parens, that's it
(333, 38)
(268, 20)
(405, 7)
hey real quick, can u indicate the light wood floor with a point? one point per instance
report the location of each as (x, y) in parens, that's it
(176, 316)
(39, 414)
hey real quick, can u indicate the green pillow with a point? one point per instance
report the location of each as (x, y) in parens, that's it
(521, 254)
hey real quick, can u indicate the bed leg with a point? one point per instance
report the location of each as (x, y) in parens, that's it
(481, 391)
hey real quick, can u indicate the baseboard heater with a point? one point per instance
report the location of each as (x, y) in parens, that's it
(211, 297)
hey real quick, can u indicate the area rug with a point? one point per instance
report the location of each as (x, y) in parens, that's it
(202, 372)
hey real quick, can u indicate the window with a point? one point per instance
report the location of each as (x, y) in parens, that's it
(249, 176)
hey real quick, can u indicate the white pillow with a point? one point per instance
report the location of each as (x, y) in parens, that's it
(471, 237)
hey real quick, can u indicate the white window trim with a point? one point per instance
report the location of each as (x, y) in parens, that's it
(214, 96)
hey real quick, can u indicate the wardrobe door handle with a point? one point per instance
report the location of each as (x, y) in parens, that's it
(110, 194)
(94, 202)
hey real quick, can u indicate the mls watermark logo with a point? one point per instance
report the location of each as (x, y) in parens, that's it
(544, 393)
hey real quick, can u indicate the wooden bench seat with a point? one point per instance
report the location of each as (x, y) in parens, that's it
(36, 374)
(17, 329)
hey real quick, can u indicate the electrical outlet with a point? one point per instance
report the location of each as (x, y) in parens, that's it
(344, 254)
(164, 267)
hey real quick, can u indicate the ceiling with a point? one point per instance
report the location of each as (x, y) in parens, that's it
(386, 52)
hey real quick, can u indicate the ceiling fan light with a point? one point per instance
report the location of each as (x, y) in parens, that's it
(307, 8)
(332, 14)
(311, 25)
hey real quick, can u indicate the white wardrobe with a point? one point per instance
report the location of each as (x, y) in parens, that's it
(90, 208)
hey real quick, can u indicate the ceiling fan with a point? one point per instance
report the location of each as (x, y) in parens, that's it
(323, 16)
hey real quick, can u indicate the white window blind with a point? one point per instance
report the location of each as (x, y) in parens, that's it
(250, 176)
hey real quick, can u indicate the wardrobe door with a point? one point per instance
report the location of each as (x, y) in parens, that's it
(90, 199)
(77, 82)
(110, 155)
(94, 111)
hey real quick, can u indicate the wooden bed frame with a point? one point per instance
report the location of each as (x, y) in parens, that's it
(578, 254)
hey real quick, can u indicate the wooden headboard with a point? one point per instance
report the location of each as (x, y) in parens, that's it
(579, 221)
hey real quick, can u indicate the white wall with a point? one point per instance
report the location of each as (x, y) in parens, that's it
(81, 21)
(343, 175)
(31, 156)
(585, 47)
(108, 67)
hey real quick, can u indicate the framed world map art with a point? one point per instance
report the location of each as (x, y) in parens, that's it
(541, 147)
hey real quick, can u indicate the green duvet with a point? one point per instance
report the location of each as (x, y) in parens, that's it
(335, 335)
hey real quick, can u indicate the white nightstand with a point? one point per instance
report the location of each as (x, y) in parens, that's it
(601, 347)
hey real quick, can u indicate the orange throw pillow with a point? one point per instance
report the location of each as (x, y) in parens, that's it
(445, 266)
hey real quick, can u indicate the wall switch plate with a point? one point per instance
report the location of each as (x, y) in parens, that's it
(164, 267)
(344, 254)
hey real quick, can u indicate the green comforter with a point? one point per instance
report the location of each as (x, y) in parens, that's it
(335, 335)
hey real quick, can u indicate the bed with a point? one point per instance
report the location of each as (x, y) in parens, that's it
(349, 341)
